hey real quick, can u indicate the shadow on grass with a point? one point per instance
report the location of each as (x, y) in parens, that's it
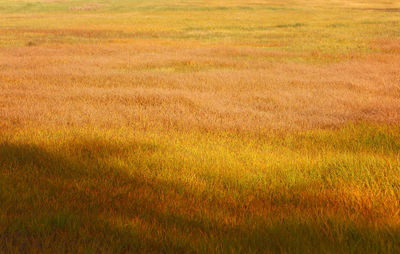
(73, 200)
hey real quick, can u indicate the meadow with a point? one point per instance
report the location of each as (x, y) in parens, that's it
(226, 126)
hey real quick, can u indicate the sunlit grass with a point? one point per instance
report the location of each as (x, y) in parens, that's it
(120, 190)
(289, 25)
(225, 126)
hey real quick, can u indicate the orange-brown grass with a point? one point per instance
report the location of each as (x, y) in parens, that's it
(206, 87)
(225, 126)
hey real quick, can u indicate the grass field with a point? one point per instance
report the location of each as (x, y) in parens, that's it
(227, 126)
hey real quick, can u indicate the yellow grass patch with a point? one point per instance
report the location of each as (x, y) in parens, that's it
(197, 126)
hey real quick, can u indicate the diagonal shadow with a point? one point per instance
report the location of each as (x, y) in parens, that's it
(50, 198)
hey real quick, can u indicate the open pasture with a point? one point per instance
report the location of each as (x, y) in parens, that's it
(225, 126)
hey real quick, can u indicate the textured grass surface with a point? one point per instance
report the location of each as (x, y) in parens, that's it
(230, 65)
(199, 126)
(118, 191)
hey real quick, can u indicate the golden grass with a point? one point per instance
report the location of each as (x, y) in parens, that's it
(206, 87)
(227, 126)
(117, 190)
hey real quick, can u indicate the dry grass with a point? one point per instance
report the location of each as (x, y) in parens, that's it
(207, 87)
(227, 126)
(121, 191)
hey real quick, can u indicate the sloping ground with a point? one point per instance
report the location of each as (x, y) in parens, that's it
(118, 191)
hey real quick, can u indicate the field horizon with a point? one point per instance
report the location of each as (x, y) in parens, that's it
(196, 126)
